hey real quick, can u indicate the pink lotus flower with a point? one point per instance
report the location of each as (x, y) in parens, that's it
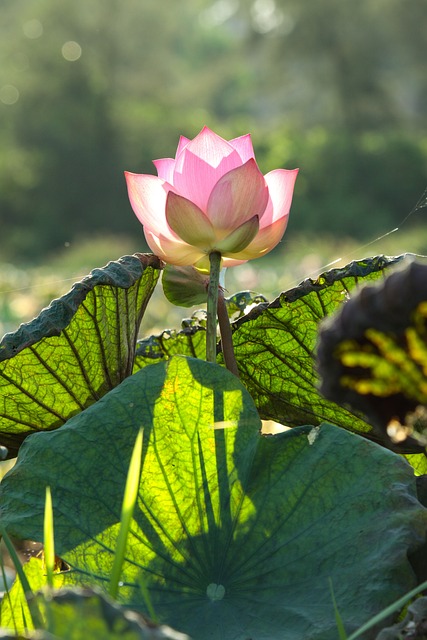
(212, 197)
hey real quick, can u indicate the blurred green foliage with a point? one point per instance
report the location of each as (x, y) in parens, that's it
(90, 88)
(24, 292)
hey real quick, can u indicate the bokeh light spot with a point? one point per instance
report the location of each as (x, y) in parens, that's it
(32, 29)
(71, 51)
(9, 94)
(218, 13)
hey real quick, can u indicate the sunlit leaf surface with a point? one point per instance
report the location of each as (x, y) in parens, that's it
(235, 534)
(14, 612)
(190, 341)
(275, 344)
(275, 347)
(74, 614)
(75, 351)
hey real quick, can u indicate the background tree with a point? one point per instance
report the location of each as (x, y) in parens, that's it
(90, 88)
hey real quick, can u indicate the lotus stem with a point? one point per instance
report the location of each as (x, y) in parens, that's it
(226, 335)
(213, 288)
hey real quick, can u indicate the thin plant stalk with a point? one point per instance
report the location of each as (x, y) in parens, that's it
(147, 599)
(395, 606)
(36, 617)
(226, 335)
(49, 541)
(7, 594)
(128, 506)
(338, 619)
(212, 305)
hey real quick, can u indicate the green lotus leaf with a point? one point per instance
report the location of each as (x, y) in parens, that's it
(275, 344)
(235, 534)
(73, 613)
(75, 351)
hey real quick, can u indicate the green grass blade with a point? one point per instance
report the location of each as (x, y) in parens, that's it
(24, 617)
(388, 611)
(7, 593)
(16, 563)
(338, 619)
(129, 501)
(49, 542)
(37, 619)
(147, 599)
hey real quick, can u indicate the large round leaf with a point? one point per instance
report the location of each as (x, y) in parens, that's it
(235, 534)
(274, 346)
(275, 349)
(75, 351)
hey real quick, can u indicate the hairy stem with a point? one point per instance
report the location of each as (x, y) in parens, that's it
(226, 335)
(215, 268)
